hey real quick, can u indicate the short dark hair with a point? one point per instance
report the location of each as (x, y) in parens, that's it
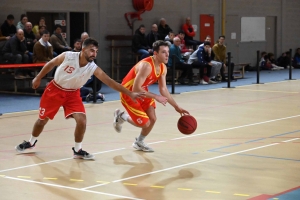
(263, 53)
(142, 26)
(170, 32)
(22, 16)
(90, 41)
(181, 32)
(222, 36)
(10, 17)
(206, 43)
(42, 26)
(57, 26)
(157, 44)
(45, 32)
(77, 40)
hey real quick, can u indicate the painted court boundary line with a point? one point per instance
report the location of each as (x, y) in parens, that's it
(71, 188)
(53, 161)
(237, 127)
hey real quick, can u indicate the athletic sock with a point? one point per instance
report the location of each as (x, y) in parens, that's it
(141, 138)
(124, 116)
(77, 146)
(32, 140)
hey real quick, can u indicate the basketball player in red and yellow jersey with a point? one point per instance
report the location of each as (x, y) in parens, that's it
(142, 112)
(73, 71)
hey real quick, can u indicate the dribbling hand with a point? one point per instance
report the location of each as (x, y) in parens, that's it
(182, 111)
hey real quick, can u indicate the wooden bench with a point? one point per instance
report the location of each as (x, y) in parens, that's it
(25, 79)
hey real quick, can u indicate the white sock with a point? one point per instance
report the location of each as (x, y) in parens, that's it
(78, 146)
(125, 116)
(32, 140)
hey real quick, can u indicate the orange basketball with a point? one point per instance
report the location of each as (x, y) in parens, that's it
(187, 124)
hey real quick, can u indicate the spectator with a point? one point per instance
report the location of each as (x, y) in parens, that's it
(189, 34)
(42, 22)
(40, 33)
(163, 29)
(2, 37)
(43, 50)
(262, 58)
(169, 38)
(77, 45)
(183, 47)
(219, 50)
(273, 62)
(84, 36)
(187, 70)
(15, 51)
(139, 43)
(8, 28)
(152, 36)
(268, 65)
(284, 60)
(296, 59)
(30, 37)
(22, 22)
(58, 42)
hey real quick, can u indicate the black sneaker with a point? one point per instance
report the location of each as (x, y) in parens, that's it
(82, 154)
(24, 146)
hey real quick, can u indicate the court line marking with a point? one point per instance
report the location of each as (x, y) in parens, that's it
(53, 161)
(236, 127)
(272, 91)
(71, 188)
(291, 140)
(187, 189)
(214, 192)
(196, 162)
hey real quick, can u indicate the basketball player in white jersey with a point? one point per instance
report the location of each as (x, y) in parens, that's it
(73, 71)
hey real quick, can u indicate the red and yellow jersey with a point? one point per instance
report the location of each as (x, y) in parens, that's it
(128, 81)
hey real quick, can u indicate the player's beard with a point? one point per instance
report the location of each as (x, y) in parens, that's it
(89, 59)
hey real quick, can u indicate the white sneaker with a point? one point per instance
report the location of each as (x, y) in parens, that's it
(211, 81)
(141, 146)
(118, 121)
(203, 82)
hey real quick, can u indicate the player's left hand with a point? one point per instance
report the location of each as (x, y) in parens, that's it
(182, 111)
(137, 95)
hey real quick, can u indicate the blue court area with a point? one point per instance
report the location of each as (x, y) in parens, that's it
(290, 195)
(17, 103)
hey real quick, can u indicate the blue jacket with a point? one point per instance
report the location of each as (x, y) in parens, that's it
(174, 50)
(203, 56)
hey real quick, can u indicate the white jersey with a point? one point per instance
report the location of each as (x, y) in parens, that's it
(70, 75)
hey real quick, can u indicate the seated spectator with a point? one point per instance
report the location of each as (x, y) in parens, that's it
(215, 66)
(296, 59)
(42, 22)
(273, 62)
(15, 51)
(187, 70)
(58, 42)
(84, 36)
(152, 36)
(8, 28)
(219, 50)
(30, 37)
(163, 29)
(189, 34)
(262, 58)
(86, 91)
(183, 47)
(40, 33)
(2, 37)
(267, 65)
(43, 50)
(22, 22)
(139, 43)
(77, 45)
(169, 38)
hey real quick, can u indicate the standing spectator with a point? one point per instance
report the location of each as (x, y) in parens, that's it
(58, 42)
(22, 22)
(43, 50)
(77, 45)
(189, 34)
(152, 36)
(220, 55)
(84, 36)
(15, 51)
(187, 70)
(163, 29)
(41, 22)
(296, 59)
(8, 28)
(139, 43)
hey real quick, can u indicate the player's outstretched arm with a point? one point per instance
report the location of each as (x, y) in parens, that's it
(165, 92)
(101, 75)
(46, 69)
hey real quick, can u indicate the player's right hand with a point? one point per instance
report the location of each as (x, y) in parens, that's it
(36, 83)
(161, 99)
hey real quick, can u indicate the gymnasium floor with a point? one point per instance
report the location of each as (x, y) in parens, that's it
(246, 147)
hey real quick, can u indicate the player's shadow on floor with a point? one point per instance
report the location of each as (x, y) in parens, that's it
(143, 188)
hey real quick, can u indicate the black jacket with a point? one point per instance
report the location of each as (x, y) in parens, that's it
(151, 38)
(7, 30)
(139, 41)
(163, 32)
(15, 46)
